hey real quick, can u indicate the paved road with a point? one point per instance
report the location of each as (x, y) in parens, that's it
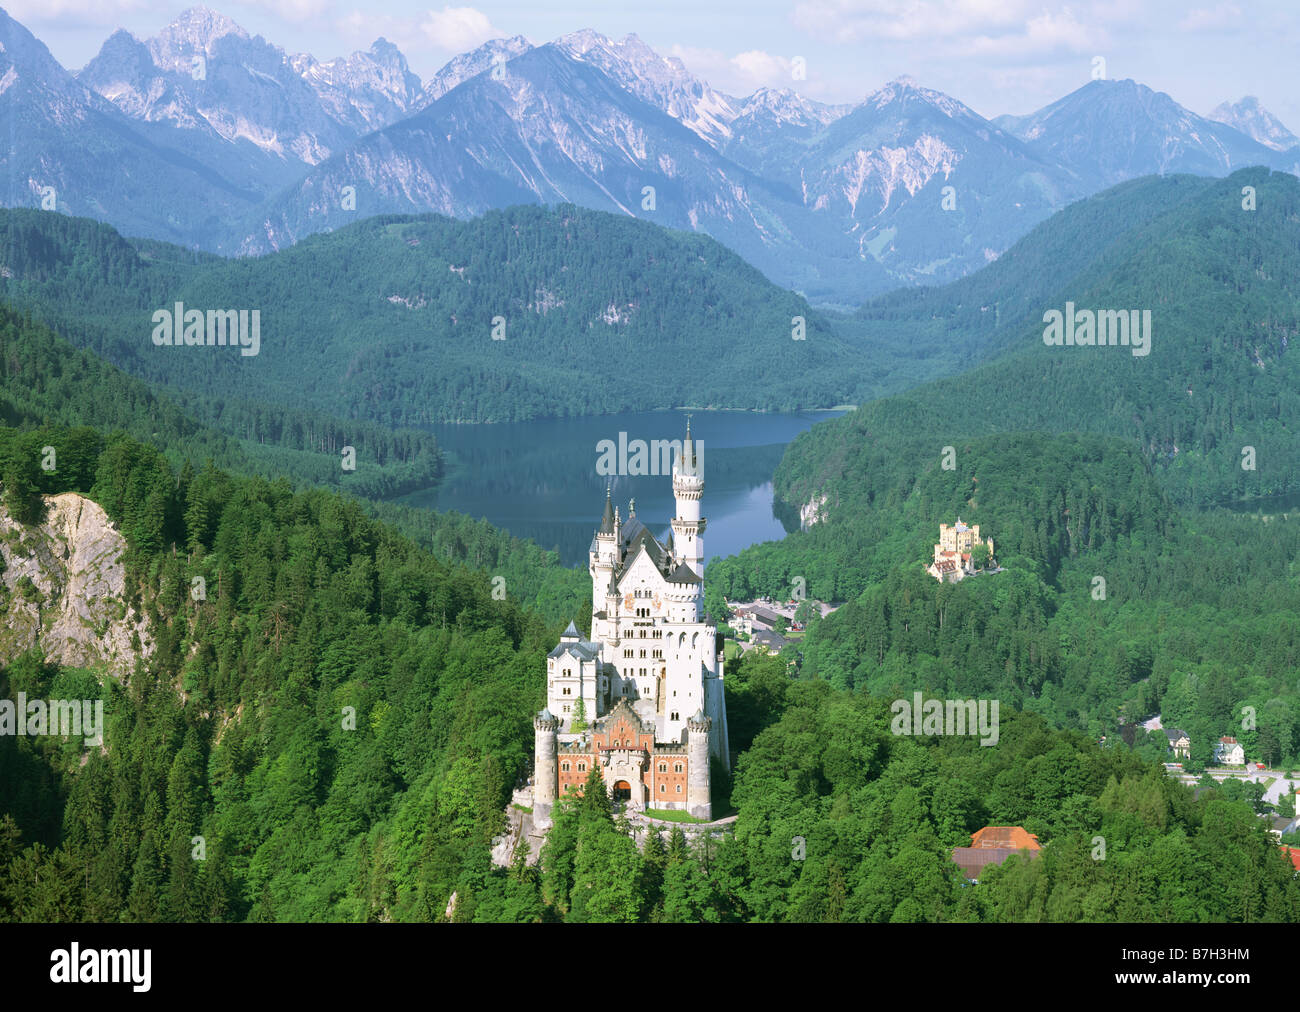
(1271, 795)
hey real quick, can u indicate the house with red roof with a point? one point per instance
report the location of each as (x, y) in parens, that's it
(993, 845)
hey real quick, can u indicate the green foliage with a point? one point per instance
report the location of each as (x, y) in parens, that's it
(406, 337)
(312, 608)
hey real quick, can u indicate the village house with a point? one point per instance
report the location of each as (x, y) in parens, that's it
(1228, 752)
(1179, 744)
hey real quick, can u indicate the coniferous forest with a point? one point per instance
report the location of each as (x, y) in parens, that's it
(323, 702)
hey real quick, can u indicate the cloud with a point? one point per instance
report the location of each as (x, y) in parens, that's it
(740, 74)
(452, 30)
(1041, 36)
(458, 29)
(763, 68)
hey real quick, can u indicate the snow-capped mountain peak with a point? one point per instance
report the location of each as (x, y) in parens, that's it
(905, 89)
(662, 81)
(194, 31)
(784, 105)
(473, 63)
(1256, 122)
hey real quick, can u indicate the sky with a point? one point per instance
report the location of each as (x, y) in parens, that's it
(997, 56)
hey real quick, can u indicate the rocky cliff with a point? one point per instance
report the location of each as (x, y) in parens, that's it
(63, 588)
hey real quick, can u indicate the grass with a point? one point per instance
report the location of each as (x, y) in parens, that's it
(521, 808)
(671, 815)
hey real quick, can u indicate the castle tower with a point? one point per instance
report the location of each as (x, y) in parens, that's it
(698, 802)
(688, 525)
(544, 768)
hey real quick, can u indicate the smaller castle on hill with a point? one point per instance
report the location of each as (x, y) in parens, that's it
(952, 555)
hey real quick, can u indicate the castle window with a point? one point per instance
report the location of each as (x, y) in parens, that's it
(564, 767)
(582, 767)
(677, 767)
(679, 788)
(566, 707)
(663, 788)
(663, 767)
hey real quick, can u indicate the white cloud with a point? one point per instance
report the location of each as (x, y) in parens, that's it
(1041, 36)
(740, 74)
(763, 68)
(458, 29)
(450, 31)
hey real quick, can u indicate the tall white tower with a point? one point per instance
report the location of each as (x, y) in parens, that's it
(688, 525)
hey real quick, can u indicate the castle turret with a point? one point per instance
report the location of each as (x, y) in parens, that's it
(688, 487)
(698, 802)
(545, 782)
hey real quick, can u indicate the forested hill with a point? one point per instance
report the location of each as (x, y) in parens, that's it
(52, 394)
(340, 718)
(1223, 287)
(43, 379)
(966, 321)
(330, 679)
(392, 319)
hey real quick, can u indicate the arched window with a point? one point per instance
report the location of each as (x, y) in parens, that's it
(663, 788)
(582, 767)
(564, 767)
(663, 767)
(677, 767)
(679, 788)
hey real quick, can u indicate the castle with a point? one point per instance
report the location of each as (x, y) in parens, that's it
(649, 681)
(952, 555)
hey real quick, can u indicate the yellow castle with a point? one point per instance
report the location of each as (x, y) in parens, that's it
(952, 555)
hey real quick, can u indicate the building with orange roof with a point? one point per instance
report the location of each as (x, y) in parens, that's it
(993, 845)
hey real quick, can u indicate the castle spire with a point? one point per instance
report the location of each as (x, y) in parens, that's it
(607, 520)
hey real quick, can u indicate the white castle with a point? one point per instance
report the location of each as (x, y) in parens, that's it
(649, 680)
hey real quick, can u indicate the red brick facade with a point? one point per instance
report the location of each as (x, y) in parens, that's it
(665, 779)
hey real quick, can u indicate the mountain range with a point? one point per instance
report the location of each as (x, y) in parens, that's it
(208, 137)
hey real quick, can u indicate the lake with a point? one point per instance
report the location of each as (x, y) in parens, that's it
(539, 479)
